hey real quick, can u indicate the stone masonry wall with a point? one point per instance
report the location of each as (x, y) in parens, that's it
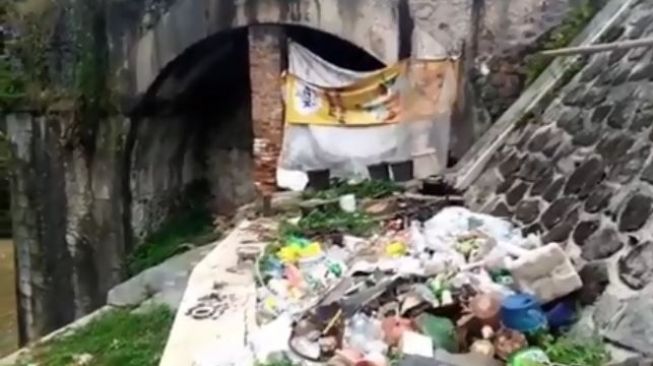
(582, 175)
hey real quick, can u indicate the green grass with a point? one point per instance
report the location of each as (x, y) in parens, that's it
(118, 338)
(194, 226)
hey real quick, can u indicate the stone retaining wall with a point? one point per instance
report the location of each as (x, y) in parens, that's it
(581, 174)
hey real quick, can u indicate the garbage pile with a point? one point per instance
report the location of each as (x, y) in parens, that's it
(457, 288)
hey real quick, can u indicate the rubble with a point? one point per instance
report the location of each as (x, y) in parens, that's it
(452, 287)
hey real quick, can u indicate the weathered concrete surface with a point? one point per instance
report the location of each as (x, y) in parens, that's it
(67, 226)
(231, 297)
(164, 283)
(163, 163)
(140, 51)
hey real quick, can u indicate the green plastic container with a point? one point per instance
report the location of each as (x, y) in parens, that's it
(529, 357)
(441, 330)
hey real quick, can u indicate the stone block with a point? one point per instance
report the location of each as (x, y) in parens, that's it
(598, 199)
(635, 213)
(584, 230)
(614, 146)
(574, 96)
(533, 168)
(636, 267)
(510, 164)
(620, 115)
(594, 96)
(516, 194)
(571, 120)
(558, 210)
(561, 231)
(641, 71)
(643, 120)
(539, 140)
(527, 211)
(629, 165)
(647, 174)
(504, 186)
(595, 279)
(585, 177)
(602, 245)
(540, 186)
(501, 210)
(554, 189)
(593, 69)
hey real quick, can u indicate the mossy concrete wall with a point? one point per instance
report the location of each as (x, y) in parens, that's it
(67, 223)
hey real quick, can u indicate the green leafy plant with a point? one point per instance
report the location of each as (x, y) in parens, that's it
(327, 221)
(574, 351)
(193, 226)
(284, 362)
(364, 189)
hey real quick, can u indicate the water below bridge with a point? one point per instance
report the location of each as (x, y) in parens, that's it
(8, 326)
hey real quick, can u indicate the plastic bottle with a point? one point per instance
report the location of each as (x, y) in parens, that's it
(417, 239)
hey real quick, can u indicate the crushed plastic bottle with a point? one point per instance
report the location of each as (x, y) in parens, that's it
(365, 334)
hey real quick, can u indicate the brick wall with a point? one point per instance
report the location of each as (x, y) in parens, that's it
(266, 61)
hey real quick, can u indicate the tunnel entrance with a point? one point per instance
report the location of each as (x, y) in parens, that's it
(193, 134)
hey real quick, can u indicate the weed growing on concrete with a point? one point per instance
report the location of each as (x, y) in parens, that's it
(194, 226)
(118, 338)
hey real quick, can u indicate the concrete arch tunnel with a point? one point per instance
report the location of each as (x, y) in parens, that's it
(145, 42)
(195, 125)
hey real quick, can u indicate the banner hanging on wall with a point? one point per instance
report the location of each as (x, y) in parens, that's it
(407, 91)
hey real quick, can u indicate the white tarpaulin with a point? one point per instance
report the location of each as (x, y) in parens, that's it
(348, 151)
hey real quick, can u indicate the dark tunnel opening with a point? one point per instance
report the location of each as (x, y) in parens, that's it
(194, 127)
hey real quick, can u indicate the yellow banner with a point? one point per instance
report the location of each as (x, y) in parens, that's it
(408, 91)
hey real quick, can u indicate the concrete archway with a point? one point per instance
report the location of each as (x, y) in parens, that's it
(197, 120)
(146, 42)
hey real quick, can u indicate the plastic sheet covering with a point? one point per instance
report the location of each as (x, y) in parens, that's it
(347, 151)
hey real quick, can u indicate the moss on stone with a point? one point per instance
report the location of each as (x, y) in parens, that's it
(29, 81)
(561, 36)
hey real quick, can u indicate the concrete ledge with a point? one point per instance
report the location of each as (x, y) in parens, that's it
(225, 297)
(476, 159)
